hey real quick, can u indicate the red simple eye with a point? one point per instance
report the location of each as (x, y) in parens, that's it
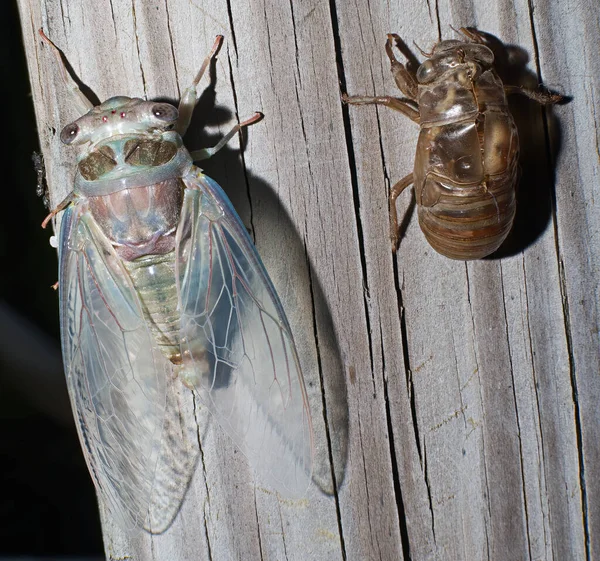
(104, 119)
(123, 115)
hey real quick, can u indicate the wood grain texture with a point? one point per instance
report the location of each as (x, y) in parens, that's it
(455, 404)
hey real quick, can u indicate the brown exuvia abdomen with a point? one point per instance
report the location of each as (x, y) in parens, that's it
(466, 165)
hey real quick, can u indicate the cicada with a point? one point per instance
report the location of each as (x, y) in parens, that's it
(163, 297)
(466, 164)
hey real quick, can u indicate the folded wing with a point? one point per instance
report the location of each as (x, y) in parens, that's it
(236, 342)
(116, 377)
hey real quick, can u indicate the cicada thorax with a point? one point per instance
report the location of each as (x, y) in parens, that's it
(141, 223)
(141, 220)
(466, 162)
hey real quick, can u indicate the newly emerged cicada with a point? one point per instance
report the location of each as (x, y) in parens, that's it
(466, 163)
(163, 296)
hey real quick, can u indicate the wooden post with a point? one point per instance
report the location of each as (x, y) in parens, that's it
(455, 404)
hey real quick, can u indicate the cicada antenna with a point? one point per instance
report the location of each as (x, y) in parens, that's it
(425, 54)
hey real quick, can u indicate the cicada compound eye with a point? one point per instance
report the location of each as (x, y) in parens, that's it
(165, 112)
(426, 72)
(69, 133)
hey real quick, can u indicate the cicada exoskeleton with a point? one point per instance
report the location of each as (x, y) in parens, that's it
(466, 163)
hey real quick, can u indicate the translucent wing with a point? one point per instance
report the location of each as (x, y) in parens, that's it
(116, 377)
(238, 350)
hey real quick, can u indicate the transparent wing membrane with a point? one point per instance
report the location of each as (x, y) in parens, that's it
(134, 407)
(241, 358)
(115, 376)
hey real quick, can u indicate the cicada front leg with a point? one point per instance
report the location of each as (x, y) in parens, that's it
(190, 96)
(206, 153)
(80, 99)
(188, 102)
(406, 82)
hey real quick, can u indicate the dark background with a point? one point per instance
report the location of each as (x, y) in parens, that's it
(47, 500)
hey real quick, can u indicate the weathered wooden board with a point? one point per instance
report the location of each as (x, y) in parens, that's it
(455, 404)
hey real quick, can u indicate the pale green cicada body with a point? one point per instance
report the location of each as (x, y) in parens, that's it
(163, 295)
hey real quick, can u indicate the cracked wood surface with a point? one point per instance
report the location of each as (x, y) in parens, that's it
(457, 402)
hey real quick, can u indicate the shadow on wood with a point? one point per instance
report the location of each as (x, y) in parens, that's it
(539, 143)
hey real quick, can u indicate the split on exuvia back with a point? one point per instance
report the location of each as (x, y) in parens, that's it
(466, 163)
(164, 300)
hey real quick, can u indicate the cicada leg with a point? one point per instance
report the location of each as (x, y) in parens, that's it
(394, 194)
(61, 206)
(206, 153)
(423, 51)
(388, 101)
(405, 80)
(543, 98)
(84, 104)
(190, 96)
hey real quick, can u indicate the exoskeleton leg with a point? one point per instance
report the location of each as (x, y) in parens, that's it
(206, 153)
(543, 98)
(190, 96)
(472, 34)
(405, 80)
(83, 103)
(394, 194)
(386, 100)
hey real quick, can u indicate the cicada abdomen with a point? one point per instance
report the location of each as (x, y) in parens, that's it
(466, 163)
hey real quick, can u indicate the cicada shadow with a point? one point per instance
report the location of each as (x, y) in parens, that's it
(540, 143)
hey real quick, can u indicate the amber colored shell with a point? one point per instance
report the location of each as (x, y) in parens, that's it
(466, 163)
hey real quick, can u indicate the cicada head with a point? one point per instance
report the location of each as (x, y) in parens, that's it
(126, 142)
(120, 116)
(455, 57)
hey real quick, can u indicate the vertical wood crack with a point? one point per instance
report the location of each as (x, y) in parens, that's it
(353, 174)
(137, 48)
(565, 305)
(577, 413)
(517, 418)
